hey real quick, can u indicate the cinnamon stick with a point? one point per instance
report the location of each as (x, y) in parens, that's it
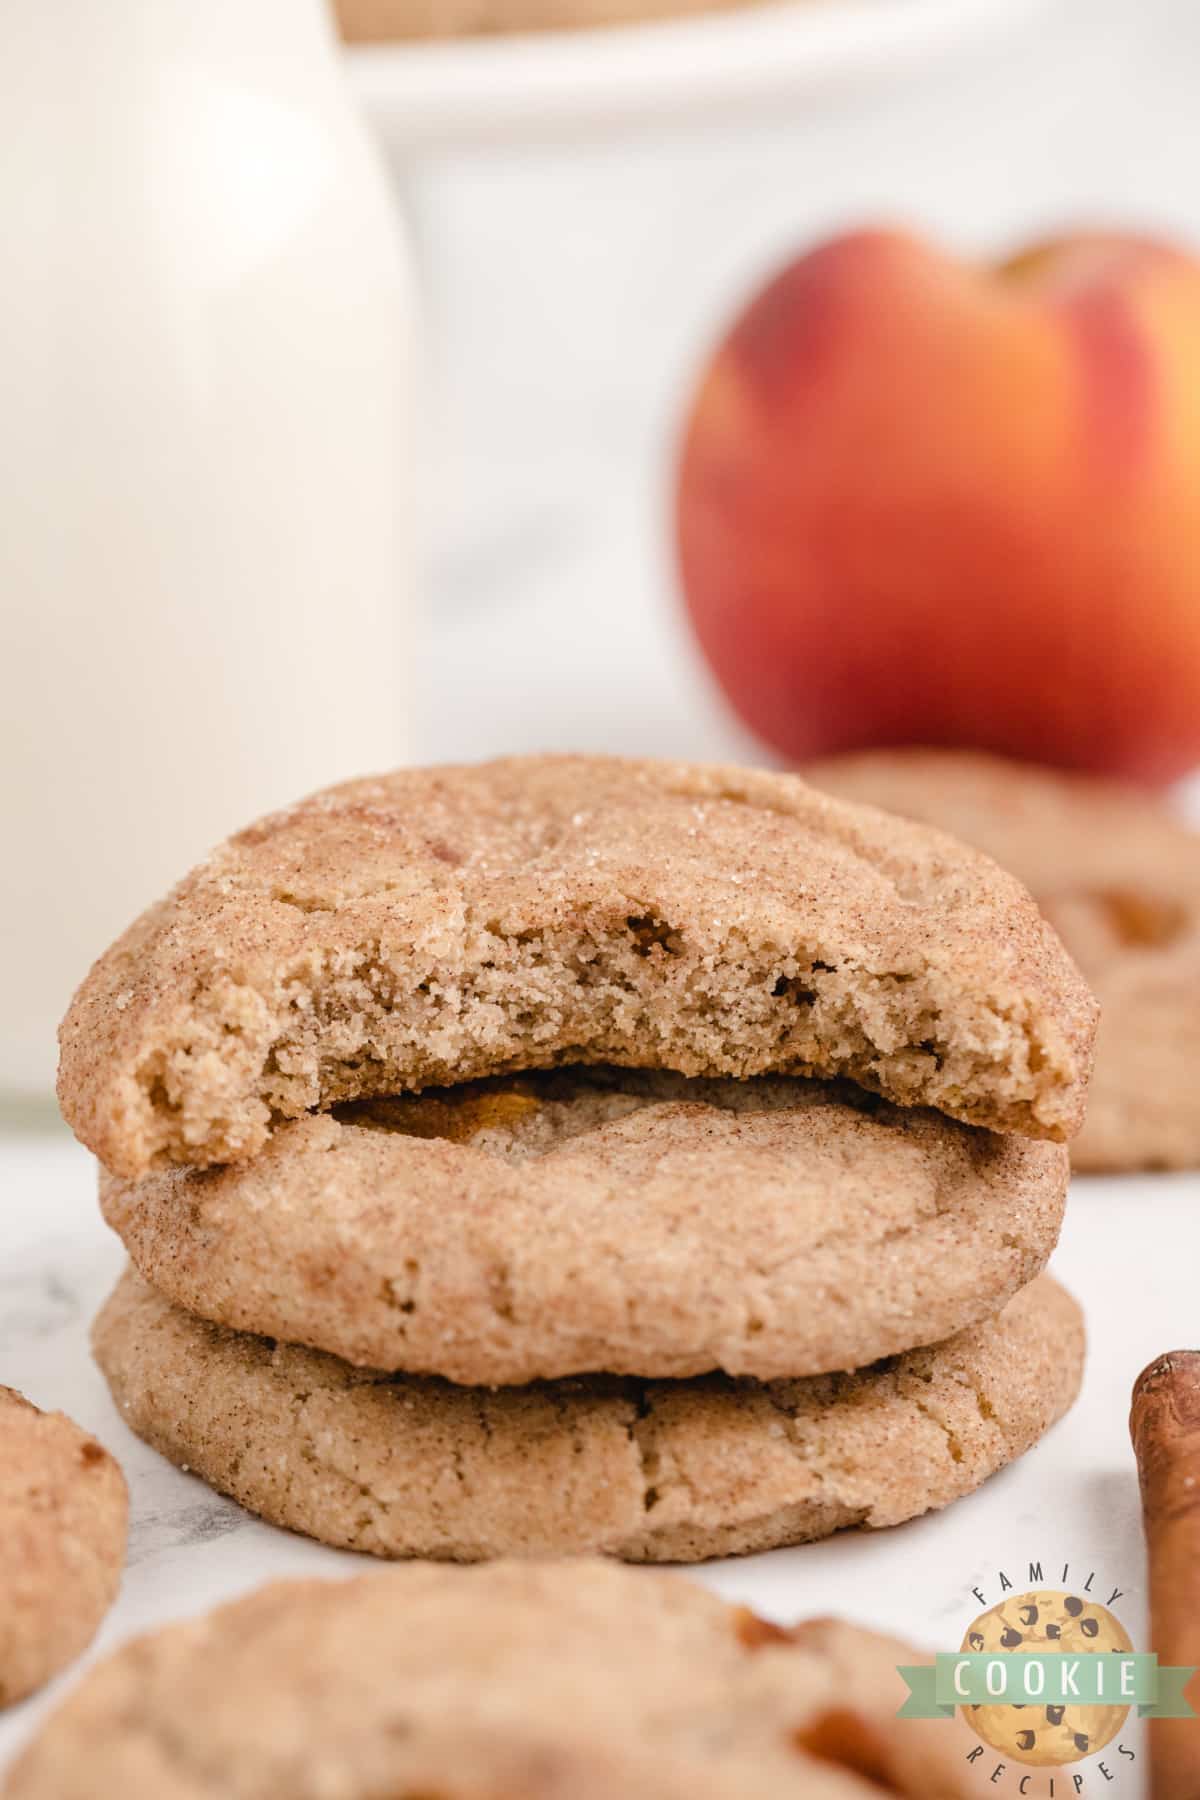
(1164, 1423)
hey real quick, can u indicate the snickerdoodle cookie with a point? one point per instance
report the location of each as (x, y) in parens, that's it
(543, 1225)
(520, 1681)
(1118, 876)
(401, 1465)
(436, 925)
(63, 1516)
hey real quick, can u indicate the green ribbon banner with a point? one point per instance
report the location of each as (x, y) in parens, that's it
(1046, 1678)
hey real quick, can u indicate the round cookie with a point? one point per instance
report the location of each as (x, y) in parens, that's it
(64, 1512)
(526, 1681)
(1046, 1620)
(649, 1471)
(538, 1226)
(1118, 876)
(438, 925)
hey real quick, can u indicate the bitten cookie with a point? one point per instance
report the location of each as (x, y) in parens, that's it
(649, 1471)
(64, 1512)
(536, 1226)
(433, 926)
(1118, 876)
(569, 1681)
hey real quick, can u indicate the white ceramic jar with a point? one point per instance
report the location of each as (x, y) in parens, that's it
(205, 364)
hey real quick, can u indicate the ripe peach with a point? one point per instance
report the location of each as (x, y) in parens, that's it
(925, 502)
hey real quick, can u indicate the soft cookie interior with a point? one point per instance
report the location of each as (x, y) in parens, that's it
(438, 926)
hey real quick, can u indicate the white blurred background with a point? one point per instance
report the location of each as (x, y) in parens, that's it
(266, 529)
(574, 282)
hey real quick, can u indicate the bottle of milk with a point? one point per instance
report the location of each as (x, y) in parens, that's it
(205, 362)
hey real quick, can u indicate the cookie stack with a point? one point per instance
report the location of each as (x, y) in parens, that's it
(571, 1154)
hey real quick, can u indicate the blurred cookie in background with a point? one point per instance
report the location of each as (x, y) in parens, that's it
(388, 21)
(1117, 873)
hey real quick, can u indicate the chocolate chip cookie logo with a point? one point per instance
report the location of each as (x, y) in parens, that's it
(1045, 1679)
(1047, 1728)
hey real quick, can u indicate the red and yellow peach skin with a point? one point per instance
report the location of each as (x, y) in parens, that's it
(926, 502)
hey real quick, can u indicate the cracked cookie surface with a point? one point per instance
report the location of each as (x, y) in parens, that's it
(437, 925)
(405, 1465)
(543, 1225)
(1118, 876)
(568, 1681)
(64, 1513)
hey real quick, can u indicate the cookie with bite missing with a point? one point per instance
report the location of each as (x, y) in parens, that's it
(551, 1224)
(437, 925)
(1117, 873)
(64, 1513)
(405, 1466)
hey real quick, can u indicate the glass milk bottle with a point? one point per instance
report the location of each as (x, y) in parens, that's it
(204, 369)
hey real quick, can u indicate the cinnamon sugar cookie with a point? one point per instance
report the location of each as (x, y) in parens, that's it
(64, 1512)
(544, 1225)
(568, 1681)
(437, 925)
(402, 1466)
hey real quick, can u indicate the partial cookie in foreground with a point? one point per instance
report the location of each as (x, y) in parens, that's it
(537, 1226)
(577, 1681)
(649, 1471)
(1118, 876)
(436, 925)
(64, 1513)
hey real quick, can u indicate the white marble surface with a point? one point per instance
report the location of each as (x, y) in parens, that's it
(553, 622)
